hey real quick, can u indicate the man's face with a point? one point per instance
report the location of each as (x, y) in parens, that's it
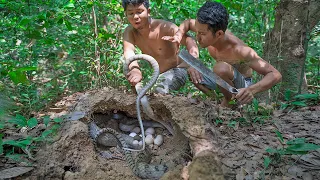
(137, 15)
(205, 37)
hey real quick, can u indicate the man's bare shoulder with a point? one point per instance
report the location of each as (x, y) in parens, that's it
(129, 29)
(162, 22)
(129, 34)
(246, 53)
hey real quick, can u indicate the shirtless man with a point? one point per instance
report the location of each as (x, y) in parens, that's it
(145, 33)
(234, 59)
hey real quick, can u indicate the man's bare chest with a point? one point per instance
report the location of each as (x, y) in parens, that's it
(154, 46)
(225, 56)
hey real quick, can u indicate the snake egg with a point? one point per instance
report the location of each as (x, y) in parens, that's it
(125, 128)
(150, 131)
(135, 143)
(136, 130)
(149, 139)
(133, 134)
(158, 140)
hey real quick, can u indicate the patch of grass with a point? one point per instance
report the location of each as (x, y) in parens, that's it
(21, 149)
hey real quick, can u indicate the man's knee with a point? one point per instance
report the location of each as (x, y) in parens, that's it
(224, 70)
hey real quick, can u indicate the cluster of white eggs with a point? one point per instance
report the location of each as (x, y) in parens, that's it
(150, 137)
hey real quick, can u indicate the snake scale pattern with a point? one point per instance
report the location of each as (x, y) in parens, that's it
(140, 166)
(143, 90)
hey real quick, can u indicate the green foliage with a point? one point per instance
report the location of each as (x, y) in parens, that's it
(297, 146)
(10, 148)
(258, 112)
(300, 100)
(49, 48)
(313, 58)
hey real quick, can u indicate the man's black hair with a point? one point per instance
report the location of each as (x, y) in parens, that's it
(215, 15)
(125, 3)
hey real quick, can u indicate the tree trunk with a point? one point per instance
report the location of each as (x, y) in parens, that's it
(286, 44)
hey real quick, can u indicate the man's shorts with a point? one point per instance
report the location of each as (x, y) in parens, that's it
(173, 79)
(238, 80)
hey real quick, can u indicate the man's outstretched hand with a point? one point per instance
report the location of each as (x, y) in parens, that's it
(174, 39)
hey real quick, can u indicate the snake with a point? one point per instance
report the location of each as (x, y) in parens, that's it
(140, 166)
(107, 140)
(143, 91)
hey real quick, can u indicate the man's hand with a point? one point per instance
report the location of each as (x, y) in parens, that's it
(174, 39)
(245, 96)
(134, 76)
(195, 76)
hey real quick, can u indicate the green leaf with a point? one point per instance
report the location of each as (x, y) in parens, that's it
(303, 147)
(60, 21)
(19, 120)
(232, 124)
(58, 120)
(232, 102)
(26, 142)
(159, 2)
(68, 25)
(314, 60)
(69, 5)
(56, 126)
(21, 144)
(18, 77)
(46, 133)
(185, 12)
(27, 68)
(32, 122)
(296, 141)
(299, 103)
(290, 152)
(24, 21)
(279, 135)
(307, 96)
(46, 120)
(108, 35)
(266, 162)
(287, 95)
(271, 150)
(284, 106)
(34, 35)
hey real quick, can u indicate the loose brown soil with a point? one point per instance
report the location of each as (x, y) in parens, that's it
(236, 149)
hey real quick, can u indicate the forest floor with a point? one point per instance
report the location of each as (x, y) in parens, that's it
(237, 142)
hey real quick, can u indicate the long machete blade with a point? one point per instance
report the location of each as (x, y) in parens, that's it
(199, 66)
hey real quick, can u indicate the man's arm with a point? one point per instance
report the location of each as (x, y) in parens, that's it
(181, 37)
(134, 75)
(185, 26)
(271, 75)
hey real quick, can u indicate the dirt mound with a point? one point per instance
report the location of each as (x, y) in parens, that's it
(237, 150)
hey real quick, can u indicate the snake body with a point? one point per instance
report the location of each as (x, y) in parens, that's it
(108, 140)
(140, 166)
(143, 91)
